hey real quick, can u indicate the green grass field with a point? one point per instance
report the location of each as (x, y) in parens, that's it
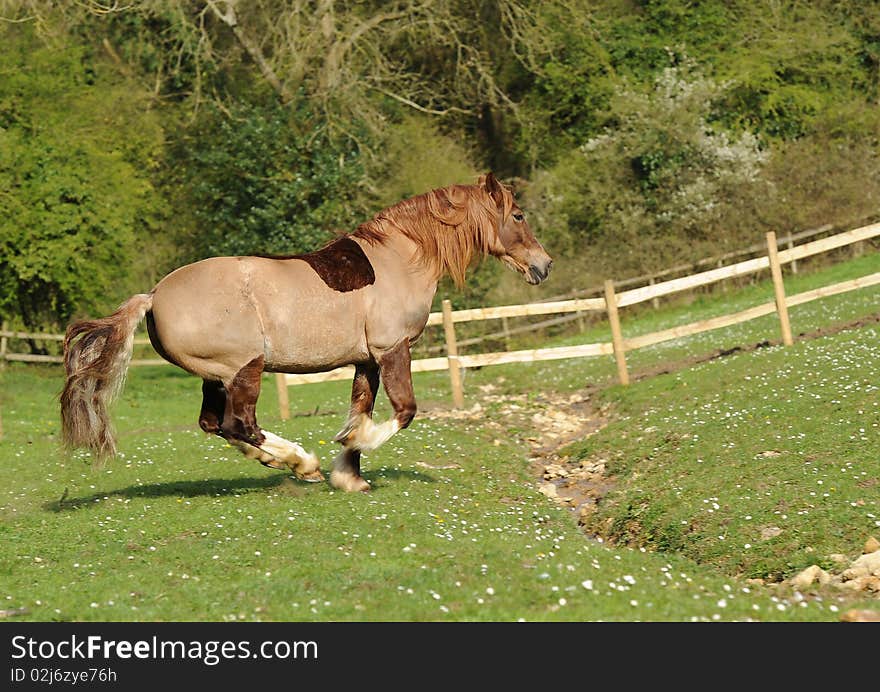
(182, 527)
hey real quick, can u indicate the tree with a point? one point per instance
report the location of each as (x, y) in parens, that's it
(659, 185)
(76, 201)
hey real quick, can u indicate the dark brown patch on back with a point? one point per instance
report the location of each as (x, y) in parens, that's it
(342, 265)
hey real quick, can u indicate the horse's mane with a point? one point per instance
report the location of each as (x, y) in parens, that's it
(450, 225)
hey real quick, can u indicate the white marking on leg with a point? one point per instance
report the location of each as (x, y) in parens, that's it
(304, 464)
(282, 449)
(369, 436)
(252, 452)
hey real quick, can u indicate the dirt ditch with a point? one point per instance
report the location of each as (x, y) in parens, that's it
(546, 423)
(552, 421)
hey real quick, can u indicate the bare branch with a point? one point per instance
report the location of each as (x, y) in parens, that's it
(22, 20)
(230, 19)
(102, 8)
(413, 104)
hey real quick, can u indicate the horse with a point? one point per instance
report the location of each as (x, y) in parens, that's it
(363, 300)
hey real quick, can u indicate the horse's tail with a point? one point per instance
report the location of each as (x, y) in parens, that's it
(96, 358)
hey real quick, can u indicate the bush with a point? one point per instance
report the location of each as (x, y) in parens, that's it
(265, 178)
(659, 185)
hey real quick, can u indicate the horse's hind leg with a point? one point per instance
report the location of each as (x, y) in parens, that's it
(213, 406)
(239, 426)
(346, 473)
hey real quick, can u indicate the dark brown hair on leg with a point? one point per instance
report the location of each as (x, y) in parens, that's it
(240, 414)
(346, 473)
(213, 405)
(394, 367)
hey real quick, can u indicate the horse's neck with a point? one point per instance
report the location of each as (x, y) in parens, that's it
(405, 253)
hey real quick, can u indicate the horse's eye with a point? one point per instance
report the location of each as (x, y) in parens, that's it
(518, 216)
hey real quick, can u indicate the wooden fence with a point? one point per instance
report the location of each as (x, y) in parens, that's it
(610, 303)
(506, 331)
(7, 355)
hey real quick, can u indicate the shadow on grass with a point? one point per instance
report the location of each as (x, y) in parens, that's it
(282, 482)
(381, 476)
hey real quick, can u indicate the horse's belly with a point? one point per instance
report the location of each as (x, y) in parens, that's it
(314, 345)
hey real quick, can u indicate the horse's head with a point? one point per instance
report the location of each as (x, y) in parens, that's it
(515, 244)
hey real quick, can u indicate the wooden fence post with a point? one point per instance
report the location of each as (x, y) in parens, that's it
(724, 287)
(505, 328)
(791, 246)
(283, 399)
(779, 288)
(4, 343)
(452, 355)
(616, 334)
(3, 346)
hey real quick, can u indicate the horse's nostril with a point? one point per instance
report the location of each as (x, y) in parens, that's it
(539, 274)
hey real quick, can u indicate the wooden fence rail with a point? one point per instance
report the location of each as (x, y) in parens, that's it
(646, 279)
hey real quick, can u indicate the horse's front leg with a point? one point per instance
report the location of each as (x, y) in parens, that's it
(361, 433)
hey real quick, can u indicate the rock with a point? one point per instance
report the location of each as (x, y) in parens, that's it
(597, 467)
(548, 489)
(863, 583)
(872, 545)
(838, 558)
(13, 612)
(866, 565)
(860, 616)
(585, 511)
(809, 576)
(552, 471)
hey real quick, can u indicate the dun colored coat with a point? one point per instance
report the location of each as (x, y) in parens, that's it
(363, 299)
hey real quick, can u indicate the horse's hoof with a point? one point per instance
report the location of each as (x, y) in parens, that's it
(311, 477)
(348, 482)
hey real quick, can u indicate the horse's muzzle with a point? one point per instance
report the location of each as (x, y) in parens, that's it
(538, 274)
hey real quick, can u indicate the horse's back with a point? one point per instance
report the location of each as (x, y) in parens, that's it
(213, 316)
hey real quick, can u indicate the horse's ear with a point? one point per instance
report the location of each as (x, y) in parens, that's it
(493, 187)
